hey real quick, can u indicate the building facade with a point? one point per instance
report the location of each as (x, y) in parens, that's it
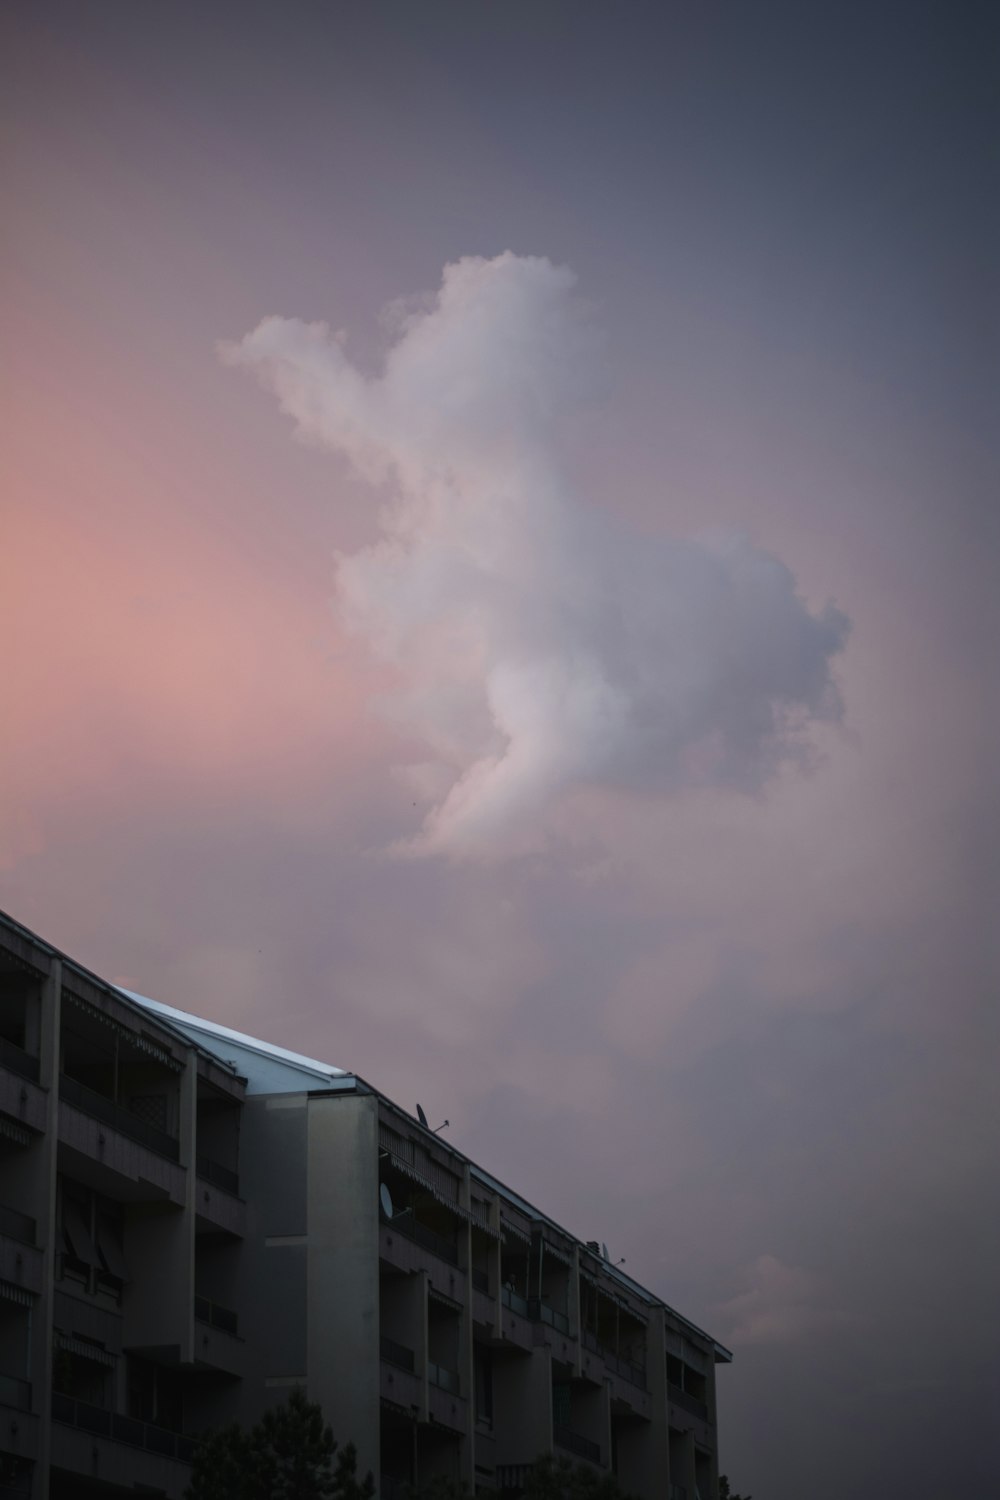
(193, 1222)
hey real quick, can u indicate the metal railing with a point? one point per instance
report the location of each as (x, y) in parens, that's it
(513, 1476)
(443, 1378)
(15, 1392)
(125, 1121)
(514, 1301)
(540, 1312)
(216, 1316)
(627, 1368)
(218, 1175)
(574, 1442)
(397, 1354)
(436, 1243)
(26, 1064)
(121, 1429)
(633, 1373)
(17, 1226)
(688, 1402)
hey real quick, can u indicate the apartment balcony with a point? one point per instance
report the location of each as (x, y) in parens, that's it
(515, 1325)
(217, 1202)
(19, 1423)
(216, 1338)
(15, 1393)
(484, 1306)
(552, 1328)
(116, 1449)
(21, 1096)
(119, 1141)
(398, 1380)
(569, 1441)
(687, 1402)
(407, 1245)
(20, 1259)
(445, 1402)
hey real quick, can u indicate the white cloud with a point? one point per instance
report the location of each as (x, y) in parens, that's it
(540, 644)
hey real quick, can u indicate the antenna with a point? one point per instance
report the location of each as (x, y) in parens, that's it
(620, 1262)
(422, 1117)
(388, 1207)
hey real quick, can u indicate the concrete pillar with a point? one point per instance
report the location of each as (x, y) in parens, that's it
(45, 1213)
(342, 1341)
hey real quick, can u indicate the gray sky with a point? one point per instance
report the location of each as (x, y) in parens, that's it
(571, 701)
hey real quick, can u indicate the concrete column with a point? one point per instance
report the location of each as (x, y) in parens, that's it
(342, 1340)
(467, 1362)
(45, 1213)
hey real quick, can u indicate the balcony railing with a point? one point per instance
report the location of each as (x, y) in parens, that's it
(627, 1368)
(573, 1442)
(17, 1226)
(125, 1121)
(444, 1379)
(437, 1244)
(516, 1303)
(18, 1061)
(633, 1373)
(216, 1316)
(15, 1392)
(218, 1175)
(121, 1429)
(513, 1476)
(481, 1280)
(688, 1402)
(540, 1312)
(397, 1354)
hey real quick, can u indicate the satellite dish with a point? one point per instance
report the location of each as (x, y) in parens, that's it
(421, 1116)
(385, 1198)
(604, 1251)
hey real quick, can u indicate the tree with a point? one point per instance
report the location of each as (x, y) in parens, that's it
(725, 1493)
(288, 1455)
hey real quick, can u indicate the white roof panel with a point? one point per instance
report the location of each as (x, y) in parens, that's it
(268, 1069)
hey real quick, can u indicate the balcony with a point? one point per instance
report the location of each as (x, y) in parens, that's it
(218, 1175)
(17, 1226)
(481, 1280)
(573, 1442)
(516, 1303)
(397, 1354)
(444, 1379)
(15, 1392)
(16, 1060)
(634, 1373)
(429, 1239)
(125, 1121)
(216, 1316)
(541, 1312)
(100, 1422)
(687, 1402)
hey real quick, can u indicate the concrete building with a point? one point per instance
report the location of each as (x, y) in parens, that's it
(192, 1222)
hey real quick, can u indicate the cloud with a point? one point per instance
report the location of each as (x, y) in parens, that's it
(782, 1304)
(540, 644)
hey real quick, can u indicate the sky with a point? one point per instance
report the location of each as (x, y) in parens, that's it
(497, 576)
